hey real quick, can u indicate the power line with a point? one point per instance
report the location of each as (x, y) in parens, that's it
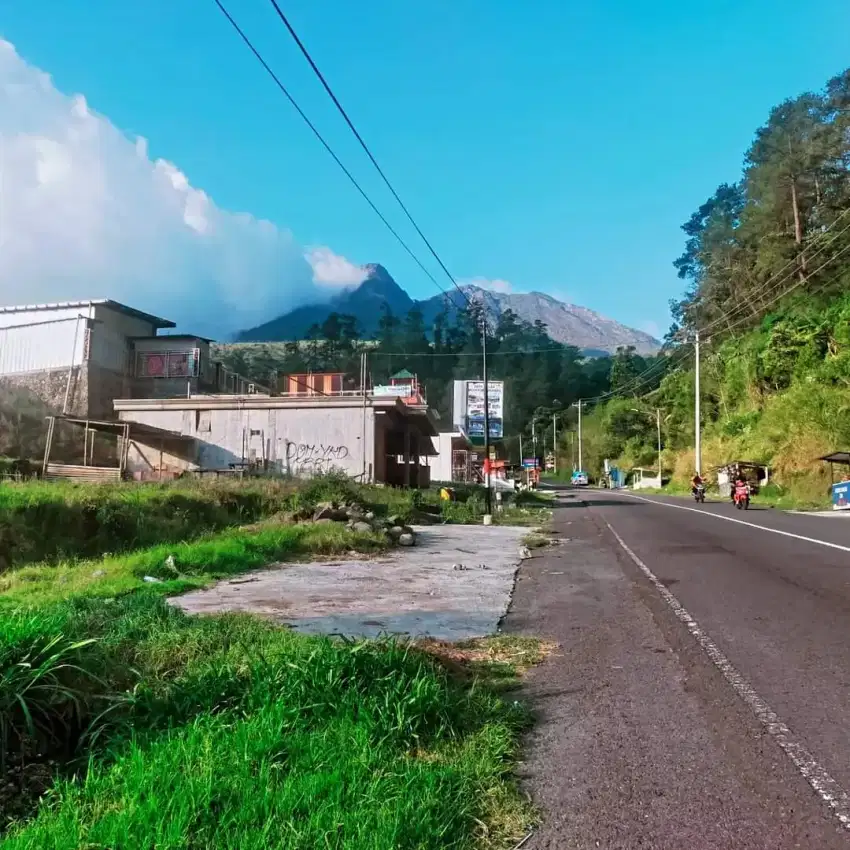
(799, 283)
(324, 143)
(359, 137)
(764, 289)
(378, 352)
(639, 380)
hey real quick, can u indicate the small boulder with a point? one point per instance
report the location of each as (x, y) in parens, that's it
(323, 511)
(407, 540)
(361, 527)
(524, 553)
(370, 515)
(329, 512)
(395, 531)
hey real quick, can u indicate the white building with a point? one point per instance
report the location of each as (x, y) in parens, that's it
(369, 438)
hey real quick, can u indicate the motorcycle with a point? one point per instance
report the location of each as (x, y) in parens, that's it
(699, 493)
(742, 496)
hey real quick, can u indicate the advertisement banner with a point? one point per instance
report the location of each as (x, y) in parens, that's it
(475, 427)
(475, 399)
(400, 391)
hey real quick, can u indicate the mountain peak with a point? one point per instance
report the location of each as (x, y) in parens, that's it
(565, 323)
(379, 282)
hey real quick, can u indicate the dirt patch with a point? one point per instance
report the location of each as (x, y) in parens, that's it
(454, 585)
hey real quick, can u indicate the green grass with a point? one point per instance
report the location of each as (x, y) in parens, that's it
(138, 726)
(55, 523)
(42, 521)
(182, 566)
(226, 732)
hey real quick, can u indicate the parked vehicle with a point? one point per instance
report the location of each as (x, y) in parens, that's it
(699, 493)
(579, 479)
(741, 496)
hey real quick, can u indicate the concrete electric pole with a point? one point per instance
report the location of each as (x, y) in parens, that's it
(698, 443)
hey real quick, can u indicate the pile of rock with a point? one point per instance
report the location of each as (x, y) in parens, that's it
(356, 518)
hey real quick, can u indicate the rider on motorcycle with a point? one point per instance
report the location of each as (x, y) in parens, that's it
(697, 481)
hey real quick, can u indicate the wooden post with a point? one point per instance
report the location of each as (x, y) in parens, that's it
(86, 445)
(125, 450)
(51, 424)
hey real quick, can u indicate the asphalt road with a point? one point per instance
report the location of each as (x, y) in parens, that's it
(701, 694)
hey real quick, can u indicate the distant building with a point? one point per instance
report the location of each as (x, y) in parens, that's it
(79, 356)
(306, 431)
(168, 408)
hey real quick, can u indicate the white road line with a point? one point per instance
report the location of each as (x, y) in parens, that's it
(824, 785)
(733, 519)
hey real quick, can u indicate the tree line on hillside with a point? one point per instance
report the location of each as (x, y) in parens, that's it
(767, 266)
(542, 377)
(782, 224)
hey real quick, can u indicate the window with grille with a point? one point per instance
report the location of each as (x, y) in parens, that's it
(167, 364)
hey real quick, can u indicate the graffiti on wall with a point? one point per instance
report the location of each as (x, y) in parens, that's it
(314, 458)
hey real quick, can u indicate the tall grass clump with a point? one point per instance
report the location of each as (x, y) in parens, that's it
(52, 522)
(230, 733)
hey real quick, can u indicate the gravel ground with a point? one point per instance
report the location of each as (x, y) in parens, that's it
(416, 591)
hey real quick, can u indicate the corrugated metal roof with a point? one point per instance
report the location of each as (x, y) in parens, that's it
(92, 302)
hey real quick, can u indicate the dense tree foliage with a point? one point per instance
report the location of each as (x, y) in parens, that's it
(783, 227)
(542, 378)
(767, 266)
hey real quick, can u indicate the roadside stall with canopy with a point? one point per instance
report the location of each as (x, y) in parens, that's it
(756, 474)
(840, 490)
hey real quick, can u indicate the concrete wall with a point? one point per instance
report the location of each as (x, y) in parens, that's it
(441, 465)
(37, 348)
(295, 441)
(50, 386)
(122, 324)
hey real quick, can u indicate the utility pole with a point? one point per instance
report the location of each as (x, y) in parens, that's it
(698, 445)
(487, 494)
(579, 405)
(658, 423)
(555, 441)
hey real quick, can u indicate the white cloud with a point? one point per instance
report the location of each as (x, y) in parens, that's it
(493, 285)
(85, 212)
(332, 270)
(651, 328)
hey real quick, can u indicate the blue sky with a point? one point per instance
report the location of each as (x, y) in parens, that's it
(554, 145)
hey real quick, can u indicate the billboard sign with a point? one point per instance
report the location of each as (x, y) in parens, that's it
(399, 390)
(475, 427)
(468, 408)
(475, 399)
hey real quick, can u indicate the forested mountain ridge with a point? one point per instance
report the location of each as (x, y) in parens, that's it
(541, 376)
(767, 266)
(565, 323)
